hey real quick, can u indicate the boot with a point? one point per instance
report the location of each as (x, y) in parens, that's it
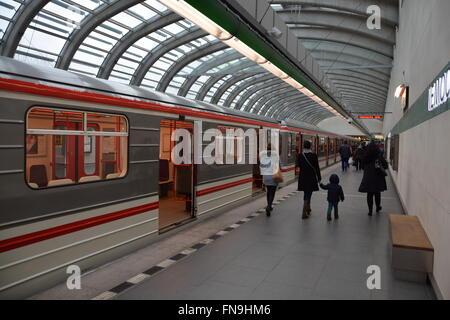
(308, 207)
(305, 213)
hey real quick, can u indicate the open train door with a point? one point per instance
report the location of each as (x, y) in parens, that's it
(298, 150)
(257, 185)
(176, 181)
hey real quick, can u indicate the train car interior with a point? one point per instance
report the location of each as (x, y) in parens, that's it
(175, 180)
(66, 147)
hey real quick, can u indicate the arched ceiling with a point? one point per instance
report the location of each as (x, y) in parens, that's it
(143, 43)
(357, 60)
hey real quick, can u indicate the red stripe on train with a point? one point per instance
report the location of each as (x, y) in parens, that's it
(27, 239)
(222, 187)
(49, 91)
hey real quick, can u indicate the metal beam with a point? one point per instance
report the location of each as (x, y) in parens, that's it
(236, 91)
(272, 83)
(225, 86)
(261, 103)
(193, 55)
(92, 21)
(204, 67)
(339, 20)
(214, 79)
(388, 7)
(18, 25)
(344, 37)
(161, 49)
(142, 30)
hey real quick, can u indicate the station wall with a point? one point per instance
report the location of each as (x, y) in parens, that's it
(422, 56)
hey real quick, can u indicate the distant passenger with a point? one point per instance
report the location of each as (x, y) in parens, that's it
(345, 153)
(309, 176)
(269, 165)
(374, 179)
(358, 157)
(335, 194)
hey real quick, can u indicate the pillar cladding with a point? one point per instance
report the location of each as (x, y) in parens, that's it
(423, 176)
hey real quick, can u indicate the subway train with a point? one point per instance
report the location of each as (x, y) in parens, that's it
(86, 174)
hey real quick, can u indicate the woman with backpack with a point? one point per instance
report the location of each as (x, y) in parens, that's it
(374, 179)
(309, 177)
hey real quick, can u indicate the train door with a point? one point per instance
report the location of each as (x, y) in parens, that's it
(65, 152)
(75, 156)
(176, 181)
(257, 185)
(298, 150)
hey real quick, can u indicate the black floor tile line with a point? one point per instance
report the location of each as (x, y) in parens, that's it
(155, 269)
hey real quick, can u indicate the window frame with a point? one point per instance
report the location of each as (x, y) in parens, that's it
(81, 133)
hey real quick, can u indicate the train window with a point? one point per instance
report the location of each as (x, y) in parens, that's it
(68, 147)
(322, 147)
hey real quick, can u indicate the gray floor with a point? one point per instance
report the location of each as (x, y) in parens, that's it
(284, 257)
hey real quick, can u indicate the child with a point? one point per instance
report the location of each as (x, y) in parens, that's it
(335, 193)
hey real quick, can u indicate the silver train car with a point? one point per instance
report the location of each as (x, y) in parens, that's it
(86, 174)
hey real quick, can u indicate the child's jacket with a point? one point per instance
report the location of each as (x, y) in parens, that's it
(335, 192)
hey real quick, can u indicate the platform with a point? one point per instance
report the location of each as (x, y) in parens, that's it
(277, 257)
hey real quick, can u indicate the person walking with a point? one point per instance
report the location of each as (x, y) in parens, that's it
(334, 195)
(309, 176)
(358, 157)
(269, 165)
(345, 153)
(374, 179)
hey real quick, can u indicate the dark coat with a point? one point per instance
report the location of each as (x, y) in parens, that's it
(335, 192)
(345, 151)
(309, 176)
(359, 154)
(371, 181)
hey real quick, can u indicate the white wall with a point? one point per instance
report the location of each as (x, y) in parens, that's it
(423, 177)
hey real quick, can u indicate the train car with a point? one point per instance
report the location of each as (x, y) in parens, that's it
(86, 173)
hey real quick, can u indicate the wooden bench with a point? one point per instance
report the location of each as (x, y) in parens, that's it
(412, 251)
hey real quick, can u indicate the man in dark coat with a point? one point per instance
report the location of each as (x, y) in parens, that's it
(309, 176)
(374, 179)
(345, 153)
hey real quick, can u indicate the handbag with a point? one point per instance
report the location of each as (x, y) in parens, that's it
(379, 170)
(278, 177)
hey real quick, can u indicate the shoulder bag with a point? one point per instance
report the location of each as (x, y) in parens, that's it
(379, 170)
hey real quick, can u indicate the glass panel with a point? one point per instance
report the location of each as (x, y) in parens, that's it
(61, 154)
(56, 160)
(113, 152)
(108, 123)
(41, 118)
(90, 153)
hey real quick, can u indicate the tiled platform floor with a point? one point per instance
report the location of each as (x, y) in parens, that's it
(281, 257)
(284, 257)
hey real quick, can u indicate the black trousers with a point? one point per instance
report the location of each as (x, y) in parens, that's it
(270, 195)
(370, 196)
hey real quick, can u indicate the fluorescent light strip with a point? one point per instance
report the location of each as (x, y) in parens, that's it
(187, 11)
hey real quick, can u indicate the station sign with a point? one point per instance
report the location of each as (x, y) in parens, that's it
(370, 117)
(439, 92)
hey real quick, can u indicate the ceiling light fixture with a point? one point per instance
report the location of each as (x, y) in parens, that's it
(185, 10)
